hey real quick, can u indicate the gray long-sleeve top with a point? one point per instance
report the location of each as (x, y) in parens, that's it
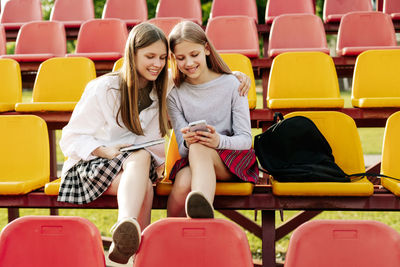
(218, 102)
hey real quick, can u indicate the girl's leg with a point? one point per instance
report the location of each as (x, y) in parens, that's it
(181, 188)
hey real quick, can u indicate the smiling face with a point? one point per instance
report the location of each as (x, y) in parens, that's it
(150, 61)
(191, 60)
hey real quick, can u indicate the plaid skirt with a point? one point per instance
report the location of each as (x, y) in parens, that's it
(242, 163)
(87, 180)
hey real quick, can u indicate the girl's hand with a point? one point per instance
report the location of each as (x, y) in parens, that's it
(210, 138)
(108, 152)
(189, 137)
(245, 82)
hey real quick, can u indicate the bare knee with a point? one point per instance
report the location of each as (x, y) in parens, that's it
(182, 184)
(199, 150)
(140, 158)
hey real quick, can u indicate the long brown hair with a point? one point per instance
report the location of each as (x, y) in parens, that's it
(191, 32)
(141, 36)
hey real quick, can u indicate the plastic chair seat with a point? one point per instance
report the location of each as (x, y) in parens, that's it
(274, 8)
(187, 9)
(305, 103)
(30, 57)
(376, 102)
(333, 18)
(45, 106)
(356, 50)
(222, 189)
(10, 84)
(53, 187)
(72, 13)
(334, 10)
(99, 55)
(165, 24)
(131, 12)
(6, 107)
(276, 51)
(395, 16)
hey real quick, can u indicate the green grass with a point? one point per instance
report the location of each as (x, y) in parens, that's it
(371, 139)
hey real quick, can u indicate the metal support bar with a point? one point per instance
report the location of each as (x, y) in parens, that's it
(295, 222)
(268, 245)
(243, 221)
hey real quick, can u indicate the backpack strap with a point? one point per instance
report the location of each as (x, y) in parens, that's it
(278, 117)
(363, 174)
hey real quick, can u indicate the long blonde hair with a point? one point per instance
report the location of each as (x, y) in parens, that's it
(191, 32)
(141, 36)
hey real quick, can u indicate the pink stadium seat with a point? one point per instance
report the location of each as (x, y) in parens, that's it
(40, 40)
(234, 34)
(132, 12)
(234, 8)
(180, 242)
(3, 41)
(343, 243)
(361, 31)
(275, 8)
(392, 7)
(101, 39)
(17, 12)
(297, 32)
(187, 9)
(335, 9)
(72, 13)
(165, 24)
(44, 241)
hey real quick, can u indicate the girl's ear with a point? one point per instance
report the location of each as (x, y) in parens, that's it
(207, 49)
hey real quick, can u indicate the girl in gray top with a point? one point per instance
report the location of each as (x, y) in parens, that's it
(205, 89)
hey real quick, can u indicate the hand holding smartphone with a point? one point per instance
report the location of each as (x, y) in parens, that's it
(200, 125)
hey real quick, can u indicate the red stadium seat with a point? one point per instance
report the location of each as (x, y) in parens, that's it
(297, 32)
(234, 34)
(101, 39)
(187, 9)
(40, 40)
(132, 12)
(180, 242)
(343, 243)
(39, 241)
(3, 41)
(234, 8)
(275, 8)
(165, 24)
(392, 7)
(17, 12)
(335, 9)
(361, 31)
(72, 13)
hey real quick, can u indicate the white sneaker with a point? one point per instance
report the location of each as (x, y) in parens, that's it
(126, 237)
(197, 206)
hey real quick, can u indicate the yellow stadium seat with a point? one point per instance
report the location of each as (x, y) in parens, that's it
(53, 187)
(390, 154)
(239, 62)
(118, 64)
(25, 156)
(10, 84)
(223, 188)
(59, 84)
(376, 79)
(341, 133)
(303, 80)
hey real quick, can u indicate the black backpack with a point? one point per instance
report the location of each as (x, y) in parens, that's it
(294, 150)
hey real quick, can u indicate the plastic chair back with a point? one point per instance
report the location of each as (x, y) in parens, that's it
(132, 12)
(165, 24)
(361, 31)
(40, 40)
(118, 64)
(193, 242)
(303, 80)
(335, 9)
(239, 62)
(341, 133)
(390, 154)
(3, 41)
(392, 7)
(59, 84)
(234, 8)
(223, 33)
(376, 80)
(17, 12)
(10, 84)
(297, 32)
(275, 8)
(343, 243)
(187, 9)
(101, 39)
(72, 13)
(25, 160)
(60, 241)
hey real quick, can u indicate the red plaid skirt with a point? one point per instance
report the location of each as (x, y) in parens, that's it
(242, 163)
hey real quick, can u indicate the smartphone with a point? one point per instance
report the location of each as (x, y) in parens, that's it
(200, 125)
